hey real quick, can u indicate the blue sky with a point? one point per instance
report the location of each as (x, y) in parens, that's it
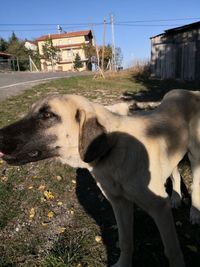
(132, 37)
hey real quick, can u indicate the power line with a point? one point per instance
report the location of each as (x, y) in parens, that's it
(74, 26)
(149, 25)
(116, 24)
(48, 24)
(26, 30)
(156, 20)
(95, 23)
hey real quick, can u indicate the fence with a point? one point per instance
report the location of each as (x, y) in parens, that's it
(5, 64)
(12, 64)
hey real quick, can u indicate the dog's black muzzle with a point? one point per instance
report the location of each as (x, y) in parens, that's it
(23, 142)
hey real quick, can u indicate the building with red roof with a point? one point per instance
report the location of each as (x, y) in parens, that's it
(69, 44)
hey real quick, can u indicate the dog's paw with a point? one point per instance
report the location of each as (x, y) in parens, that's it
(194, 215)
(175, 200)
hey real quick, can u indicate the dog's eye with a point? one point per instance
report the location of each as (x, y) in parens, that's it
(46, 115)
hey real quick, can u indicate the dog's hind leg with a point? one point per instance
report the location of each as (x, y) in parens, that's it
(176, 189)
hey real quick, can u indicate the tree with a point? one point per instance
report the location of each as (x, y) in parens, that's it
(17, 49)
(3, 45)
(50, 52)
(77, 62)
(36, 57)
(107, 55)
(90, 52)
(118, 57)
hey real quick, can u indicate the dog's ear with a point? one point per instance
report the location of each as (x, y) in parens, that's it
(93, 140)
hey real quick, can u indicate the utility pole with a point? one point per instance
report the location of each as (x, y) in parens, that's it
(113, 43)
(103, 48)
(97, 53)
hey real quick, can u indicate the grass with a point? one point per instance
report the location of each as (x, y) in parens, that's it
(55, 216)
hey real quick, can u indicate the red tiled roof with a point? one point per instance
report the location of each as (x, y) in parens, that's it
(64, 35)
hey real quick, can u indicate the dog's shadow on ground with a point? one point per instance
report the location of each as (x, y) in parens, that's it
(157, 88)
(95, 204)
(148, 246)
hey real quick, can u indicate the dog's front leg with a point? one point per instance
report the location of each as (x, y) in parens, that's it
(123, 210)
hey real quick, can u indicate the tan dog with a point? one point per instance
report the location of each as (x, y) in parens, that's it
(129, 157)
(129, 109)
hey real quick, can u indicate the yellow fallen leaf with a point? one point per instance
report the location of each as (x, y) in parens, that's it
(41, 187)
(42, 199)
(59, 178)
(60, 203)
(71, 212)
(32, 213)
(44, 224)
(73, 181)
(61, 229)
(48, 195)
(30, 187)
(1, 161)
(98, 238)
(50, 214)
(4, 178)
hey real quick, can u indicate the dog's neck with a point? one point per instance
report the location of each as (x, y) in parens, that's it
(109, 120)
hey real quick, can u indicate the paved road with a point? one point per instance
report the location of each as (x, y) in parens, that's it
(15, 83)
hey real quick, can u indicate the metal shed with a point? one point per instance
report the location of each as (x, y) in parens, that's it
(176, 53)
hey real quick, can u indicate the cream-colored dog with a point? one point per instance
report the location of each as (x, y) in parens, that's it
(128, 108)
(129, 157)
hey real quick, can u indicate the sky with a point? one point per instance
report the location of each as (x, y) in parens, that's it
(134, 21)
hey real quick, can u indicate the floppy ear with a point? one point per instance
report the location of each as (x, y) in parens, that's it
(93, 140)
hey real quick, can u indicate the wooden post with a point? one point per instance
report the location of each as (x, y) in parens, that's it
(99, 70)
(30, 64)
(113, 43)
(103, 48)
(18, 64)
